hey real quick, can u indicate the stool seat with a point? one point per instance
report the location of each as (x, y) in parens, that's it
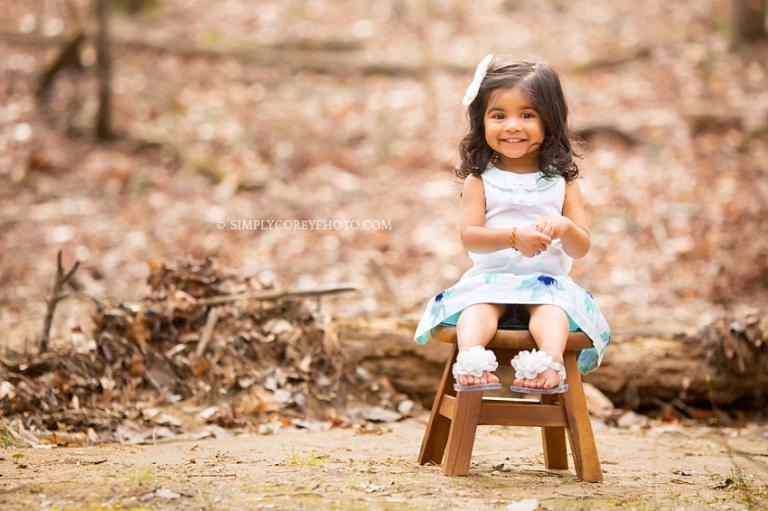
(453, 422)
(511, 339)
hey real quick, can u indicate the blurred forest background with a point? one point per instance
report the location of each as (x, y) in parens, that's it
(135, 135)
(328, 109)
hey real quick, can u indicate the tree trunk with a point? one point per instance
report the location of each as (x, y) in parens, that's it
(103, 70)
(748, 22)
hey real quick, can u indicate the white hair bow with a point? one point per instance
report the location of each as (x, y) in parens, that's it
(474, 87)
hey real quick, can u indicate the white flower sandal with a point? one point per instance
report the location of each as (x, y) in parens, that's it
(475, 361)
(529, 364)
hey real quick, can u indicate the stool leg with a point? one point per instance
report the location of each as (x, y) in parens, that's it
(580, 435)
(461, 438)
(438, 427)
(553, 439)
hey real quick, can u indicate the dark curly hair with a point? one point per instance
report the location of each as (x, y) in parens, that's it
(541, 85)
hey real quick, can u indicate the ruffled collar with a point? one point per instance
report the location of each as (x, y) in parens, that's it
(507, 180)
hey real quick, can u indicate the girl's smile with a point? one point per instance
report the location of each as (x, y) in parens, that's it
(513, 129)
(516, 140)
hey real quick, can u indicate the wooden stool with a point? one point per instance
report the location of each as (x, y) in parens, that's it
(456, 415)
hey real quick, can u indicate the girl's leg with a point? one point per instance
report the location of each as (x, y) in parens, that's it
(549, 328)
(476, 326)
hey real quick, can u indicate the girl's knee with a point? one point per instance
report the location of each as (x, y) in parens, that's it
(487, 309)
(477, 324)
(490, 311)
(546, 309)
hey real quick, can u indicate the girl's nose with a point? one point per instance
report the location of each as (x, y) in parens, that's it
(511, 124)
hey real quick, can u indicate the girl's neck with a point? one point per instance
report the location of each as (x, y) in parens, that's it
(527, 164)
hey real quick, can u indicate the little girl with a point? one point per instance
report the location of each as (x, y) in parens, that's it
(522, 221)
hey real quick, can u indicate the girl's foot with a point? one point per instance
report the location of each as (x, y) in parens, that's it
(472, 370)
(468, 379)
(538, 371)
(545, 380)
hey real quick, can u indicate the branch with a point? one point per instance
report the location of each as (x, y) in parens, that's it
(274, 295)
(67, 57)
(210, 325)
(62, 277)
(321, 56)
(609, 61)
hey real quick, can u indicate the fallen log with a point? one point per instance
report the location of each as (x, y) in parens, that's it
(724, 365)
(637, 373)
(318, 56)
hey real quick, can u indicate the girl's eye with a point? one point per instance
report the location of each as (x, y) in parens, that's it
(497, 116)
(528, 115)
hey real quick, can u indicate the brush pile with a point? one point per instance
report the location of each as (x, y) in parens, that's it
(236, 350)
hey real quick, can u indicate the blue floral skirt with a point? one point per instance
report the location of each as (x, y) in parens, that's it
(508, 288)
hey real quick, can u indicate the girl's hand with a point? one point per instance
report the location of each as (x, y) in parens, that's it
(530, 242)
(553, 226)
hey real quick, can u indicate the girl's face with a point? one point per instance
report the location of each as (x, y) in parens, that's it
(513, 129)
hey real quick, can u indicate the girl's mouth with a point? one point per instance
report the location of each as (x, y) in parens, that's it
(513, 140)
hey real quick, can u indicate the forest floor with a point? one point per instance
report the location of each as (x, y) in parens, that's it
(662, 467)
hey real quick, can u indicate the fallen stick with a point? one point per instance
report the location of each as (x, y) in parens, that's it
(207, 335)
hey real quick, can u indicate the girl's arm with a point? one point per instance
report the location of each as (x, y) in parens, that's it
(576, 239)
(571, 227)
(480, 239)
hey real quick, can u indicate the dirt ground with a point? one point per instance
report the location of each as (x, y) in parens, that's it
(662, 467)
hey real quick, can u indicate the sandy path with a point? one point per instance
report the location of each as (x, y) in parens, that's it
(660, 468)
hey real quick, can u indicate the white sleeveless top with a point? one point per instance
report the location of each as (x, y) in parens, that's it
(519, 200)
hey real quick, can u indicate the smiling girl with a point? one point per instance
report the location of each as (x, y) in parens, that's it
(523, 222)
